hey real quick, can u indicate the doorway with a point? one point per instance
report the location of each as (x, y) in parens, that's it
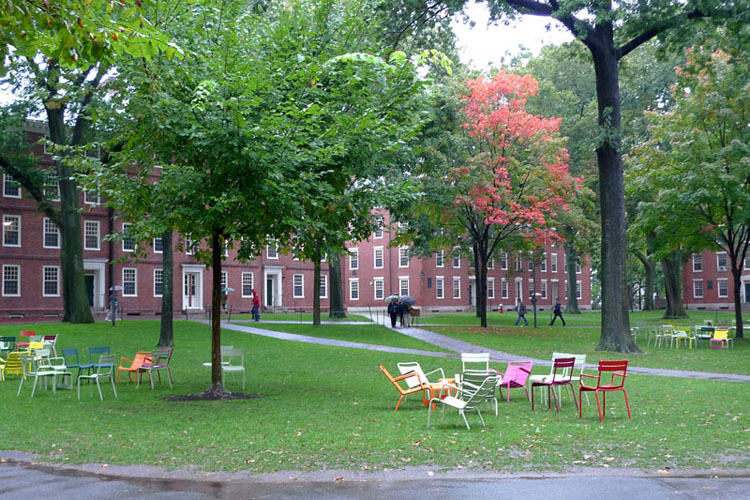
(90, 289)
(192, 287)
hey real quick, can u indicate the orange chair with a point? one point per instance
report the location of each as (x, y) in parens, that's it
(409, 390)
(615, 369)
(135, 363)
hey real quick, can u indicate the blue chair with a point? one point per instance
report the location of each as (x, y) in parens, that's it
(72, 360)
(94, 354)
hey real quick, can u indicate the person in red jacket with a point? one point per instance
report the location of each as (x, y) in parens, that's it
(256, 305)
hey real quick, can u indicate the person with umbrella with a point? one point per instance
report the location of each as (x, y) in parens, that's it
(405, 310)
(393, 308)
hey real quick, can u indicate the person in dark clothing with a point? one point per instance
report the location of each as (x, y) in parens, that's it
(558, 312)
(393, 309)
(521, 309)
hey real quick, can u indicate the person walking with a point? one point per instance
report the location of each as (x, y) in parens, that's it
(406, 317)
(256, 305)
(521, 308)
(558, 312)
(393, 308)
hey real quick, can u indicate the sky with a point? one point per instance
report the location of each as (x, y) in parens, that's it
(484, 45)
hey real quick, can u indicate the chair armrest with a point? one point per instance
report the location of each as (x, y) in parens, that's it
(407, 375)
(524, 369)
(125, 359)
(589, 376)
(442, 374)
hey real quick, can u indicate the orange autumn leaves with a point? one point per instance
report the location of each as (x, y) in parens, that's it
(519, 175)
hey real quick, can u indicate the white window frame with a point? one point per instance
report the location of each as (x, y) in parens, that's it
(50, 228)
(298, 286)
(747, 262)
(456, 259)
(378, 288)
(719, 267)
(553, 263)
(403, 285)
(544, 289)
(125, 272)
(719, 283)
(543, 263)
(519, 262)
(579, 290)
(93, 223)
(440, 258)
(10, 185)
(131, 241)
(375, 252)
(353, 258)
(161, 243)
(491, 288)
(52, 191)
(378, 234)
(6, 230)
(698, 289)
(354, 289)
(457, 288)
(273, 255)
(87, 197)
(697, 263)
(158, 279)
(224, 279)
(519, 289)
(440, 287)
(403, 257)
(578, 267)
(323, 286)
(503, 288)
(245, 283)
(491, 264)
(504, 261)
(56, 271)
(531, 261)
(6, 268)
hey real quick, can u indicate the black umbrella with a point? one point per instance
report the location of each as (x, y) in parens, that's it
(408, 300)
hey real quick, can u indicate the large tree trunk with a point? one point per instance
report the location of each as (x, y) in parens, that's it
(316, 291)
(336, 291)
(615, 317)
(672, 266)
(166, 332)
(571, 258)
(737, 276)
(649, 269)
(217, 387)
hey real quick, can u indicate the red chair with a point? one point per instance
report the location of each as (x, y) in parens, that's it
(615, 369)
(515, 376)
(562, 374)
(24, 344)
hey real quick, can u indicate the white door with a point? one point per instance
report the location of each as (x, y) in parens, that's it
(191, 290)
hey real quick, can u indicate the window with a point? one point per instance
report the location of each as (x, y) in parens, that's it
(158, 282)
(504, 288)
(721, 261)
(579, 290)
(52, 191)
(698, 289)
(543, 263)
(456, 287)
(51, 234)
(723, 286)
(456, 259)
(553, 263)
(128, 243)
(403, 285)
(490, 288)
(379, 288)
(697, 263)
(51, 281)
(379, 224)
(272, 251)
(158, 245)
(354, 258)
(578, 267)
(519, 289)
(129, 282)
(440, 287)
(519, 262)
(247, 284)
(531, 261)
(91, 235)
(11, 189)
(224, 280)
(91, 197)
(298, 286)
(491, 264)
(747, 262)
(323, 286)
(403, 257)
(190, 247)
(440, 258)
(11, 281)
(378, 257)
(532, 288)
(504, 261)
(544, 289)
(11, 230)
(353, 288)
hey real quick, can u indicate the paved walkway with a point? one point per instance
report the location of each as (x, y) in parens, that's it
(459, 346)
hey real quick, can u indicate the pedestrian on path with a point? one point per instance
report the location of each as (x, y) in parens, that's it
(393, 309)
(521, 308)
(256, 305)
(558, 312)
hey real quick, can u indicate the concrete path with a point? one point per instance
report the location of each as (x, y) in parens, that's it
(459, 346)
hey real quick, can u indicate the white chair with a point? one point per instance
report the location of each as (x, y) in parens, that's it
(104, 369)
(420, 377)
(666, 332)
(480, 361)
(226, 353)
(33, 369)
(469, 398)
(236, 364)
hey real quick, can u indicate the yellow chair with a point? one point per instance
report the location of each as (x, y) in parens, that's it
(12, 365)
(720, 339)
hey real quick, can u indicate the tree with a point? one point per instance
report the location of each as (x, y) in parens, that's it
(696, 162)
(611, 31)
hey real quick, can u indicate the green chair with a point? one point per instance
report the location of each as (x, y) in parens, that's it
(33, 369)
(160, 360)
(469, 398)
(236, 364)
(104, 369)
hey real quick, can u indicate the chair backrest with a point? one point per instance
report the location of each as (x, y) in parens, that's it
(708, 322)
(707, 330)
(237, 354)
(518, 372)
(562, 370)
(28, 365)
(393, 380)
(474, 396)
(580, 363)
(667, 329)
(27, 333)
(615, 368)
(35, 346)
(7, 343)
(414, 367)
(69, 352)
(161, 357)
(721, 334)
(481, 358)
(105, 365)
(96, 352)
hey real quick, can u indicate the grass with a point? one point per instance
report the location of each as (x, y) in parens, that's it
(327, 407)
(302, 317)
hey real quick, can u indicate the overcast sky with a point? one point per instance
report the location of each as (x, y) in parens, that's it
(484, 45)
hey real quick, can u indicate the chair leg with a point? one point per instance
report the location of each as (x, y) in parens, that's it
(480, 417)
(79, 388)
(99, 388)
(33, 387)
(399, 402)
(596, 394)
(114, 389)
(465, 421)
(627, 405)
(20, 386)
(169, 373)
(532, 396)
(554, 395)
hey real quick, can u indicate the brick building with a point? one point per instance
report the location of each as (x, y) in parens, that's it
(708, 284)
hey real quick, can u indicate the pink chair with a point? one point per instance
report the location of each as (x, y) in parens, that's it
(515, 376)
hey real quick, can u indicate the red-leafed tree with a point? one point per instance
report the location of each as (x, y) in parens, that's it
(516, 180)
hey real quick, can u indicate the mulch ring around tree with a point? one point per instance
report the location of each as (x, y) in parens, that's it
(213, 396)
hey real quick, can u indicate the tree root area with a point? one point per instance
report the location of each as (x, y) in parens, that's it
(213, 395)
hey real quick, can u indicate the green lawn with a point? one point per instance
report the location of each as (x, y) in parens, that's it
(326, 407)
(302, 317)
